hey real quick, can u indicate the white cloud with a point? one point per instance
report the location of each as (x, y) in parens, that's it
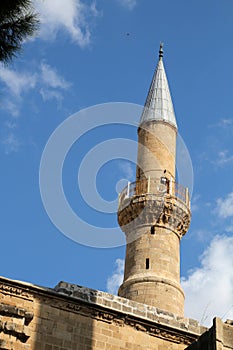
(48, 95)
(10, 106)
(11, 143)
(224, 207)
(129, 4)
(53, 82)
(69, 15)
(209, 289)
(51, 78)
(17, 82)
(114, 281)
(44, 80)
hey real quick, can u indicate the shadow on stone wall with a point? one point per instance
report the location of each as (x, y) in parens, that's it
(38, 318)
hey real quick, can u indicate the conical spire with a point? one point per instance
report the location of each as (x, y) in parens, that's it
(159, 104)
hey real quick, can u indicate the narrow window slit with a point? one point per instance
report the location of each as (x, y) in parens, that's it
(147, 263)
(152, 230)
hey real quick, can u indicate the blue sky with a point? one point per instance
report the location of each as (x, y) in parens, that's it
(89, 53)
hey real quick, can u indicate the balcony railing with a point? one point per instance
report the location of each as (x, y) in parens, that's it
(161, 186)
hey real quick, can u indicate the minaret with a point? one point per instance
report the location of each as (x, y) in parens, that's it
(154, 211)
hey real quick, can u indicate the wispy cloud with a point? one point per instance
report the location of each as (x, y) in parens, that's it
(48, 95)
(52, 83)
(71, 16)
(195, 202)
(229, 228)
(128, 169)
(218, 150)
(209, 288)
(223, 123)
(11, 105)
(223, 158)
(200, 235)
(45, 79)
(224, 207)
(11, 144)
(51, 77)
(16, 82)
(10, 125)
(114, 281)
(129, 4)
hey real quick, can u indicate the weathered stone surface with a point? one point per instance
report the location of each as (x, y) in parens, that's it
(154, 216)
(116, 303)
(218, 337)
(74, 317)
(14, 311)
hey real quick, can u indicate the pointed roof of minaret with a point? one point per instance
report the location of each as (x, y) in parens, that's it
(159, 104)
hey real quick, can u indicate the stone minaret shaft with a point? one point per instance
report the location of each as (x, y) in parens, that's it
(154, 211)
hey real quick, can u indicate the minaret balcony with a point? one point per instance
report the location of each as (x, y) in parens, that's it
(159, 201)
(157, 187)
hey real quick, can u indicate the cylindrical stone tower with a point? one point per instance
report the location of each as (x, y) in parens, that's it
(154, 211)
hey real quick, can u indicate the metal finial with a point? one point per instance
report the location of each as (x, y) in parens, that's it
(161, 50)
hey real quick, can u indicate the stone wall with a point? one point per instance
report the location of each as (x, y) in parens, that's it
(218, 337)
(73, 317)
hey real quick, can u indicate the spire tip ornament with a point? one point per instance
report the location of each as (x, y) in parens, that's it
(161, 50)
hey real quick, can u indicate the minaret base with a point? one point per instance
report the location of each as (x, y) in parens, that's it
(169, 295)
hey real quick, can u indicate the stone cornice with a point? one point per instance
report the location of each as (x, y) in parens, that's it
(108, 308)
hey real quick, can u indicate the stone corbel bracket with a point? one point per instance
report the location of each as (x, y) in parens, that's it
(10, 326)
